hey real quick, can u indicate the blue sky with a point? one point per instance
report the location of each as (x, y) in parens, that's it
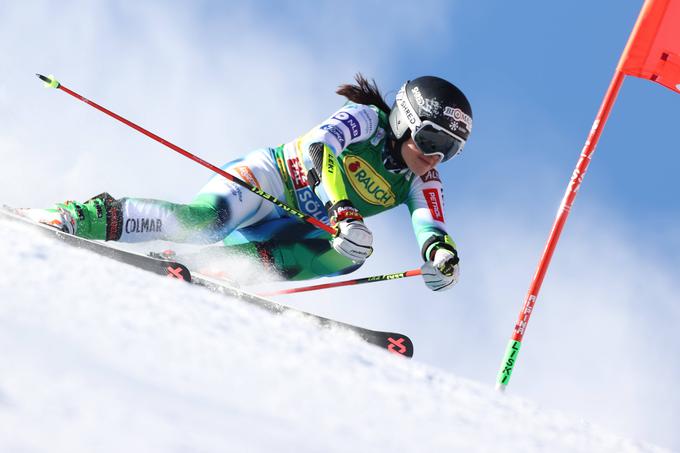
(222, 78)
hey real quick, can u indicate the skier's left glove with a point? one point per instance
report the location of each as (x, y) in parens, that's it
(442, 272)
(353, 240)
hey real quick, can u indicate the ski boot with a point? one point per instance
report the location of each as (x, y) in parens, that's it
(98, 218)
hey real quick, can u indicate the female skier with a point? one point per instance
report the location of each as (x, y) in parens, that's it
(364, 159)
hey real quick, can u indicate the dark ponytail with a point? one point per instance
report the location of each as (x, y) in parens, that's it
(364, 92)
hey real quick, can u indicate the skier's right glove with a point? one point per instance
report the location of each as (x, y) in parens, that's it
(353, 238)
(442, 272)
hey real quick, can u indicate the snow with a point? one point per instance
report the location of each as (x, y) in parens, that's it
(99, 356)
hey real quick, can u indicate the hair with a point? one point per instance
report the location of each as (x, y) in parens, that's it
(364, 92)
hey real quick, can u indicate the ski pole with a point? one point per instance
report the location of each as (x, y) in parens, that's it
(356, 281)
(54, 83)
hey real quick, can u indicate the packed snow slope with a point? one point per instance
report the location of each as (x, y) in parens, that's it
(98, 356)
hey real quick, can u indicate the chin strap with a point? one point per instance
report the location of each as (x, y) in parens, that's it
(392, 159)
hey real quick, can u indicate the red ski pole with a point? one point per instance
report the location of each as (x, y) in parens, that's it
(54, 83)
(356, 281)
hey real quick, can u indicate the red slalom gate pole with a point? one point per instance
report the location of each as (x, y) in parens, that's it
(54, 83)
(512, 350)
(356, 281)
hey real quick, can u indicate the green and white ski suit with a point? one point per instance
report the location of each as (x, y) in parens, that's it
(351, 167)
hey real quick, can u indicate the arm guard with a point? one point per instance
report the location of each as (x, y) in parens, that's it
(327, 172)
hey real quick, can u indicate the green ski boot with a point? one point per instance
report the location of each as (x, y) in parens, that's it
(98, 218)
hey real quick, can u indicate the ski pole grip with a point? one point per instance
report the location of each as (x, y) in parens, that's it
(50, 81)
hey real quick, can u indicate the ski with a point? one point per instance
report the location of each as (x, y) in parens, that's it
(393, 342)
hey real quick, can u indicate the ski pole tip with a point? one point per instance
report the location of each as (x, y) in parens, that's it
(49, 81)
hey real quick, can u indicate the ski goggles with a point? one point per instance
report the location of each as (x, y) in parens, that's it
(432, 139)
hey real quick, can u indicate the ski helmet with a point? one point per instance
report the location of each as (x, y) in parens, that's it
(435, 113)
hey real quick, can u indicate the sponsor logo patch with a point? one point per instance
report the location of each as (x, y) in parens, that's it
(459, 116)
(410, 116)
(336, 132)
(143, 225)
(297, 173)
(428, 105)
(370, 186)
(349, 121)
(434, 203)
(432, 175)
(246, 174)
(306, 199)
(310, 204)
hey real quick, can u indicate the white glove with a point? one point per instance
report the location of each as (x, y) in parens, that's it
(442, 272)
(354, 240)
